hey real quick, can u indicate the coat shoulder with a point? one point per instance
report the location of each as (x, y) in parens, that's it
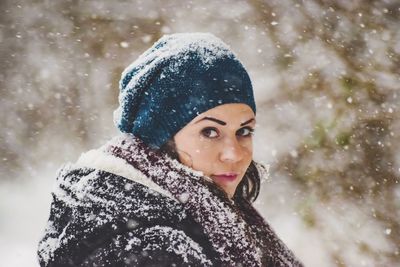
(98, 218)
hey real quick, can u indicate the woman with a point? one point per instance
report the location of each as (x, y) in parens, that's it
(175, 188)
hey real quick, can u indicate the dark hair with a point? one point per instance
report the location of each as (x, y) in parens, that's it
(248, 189)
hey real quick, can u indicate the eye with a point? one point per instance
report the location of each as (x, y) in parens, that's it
(245, 132)
(209, 132)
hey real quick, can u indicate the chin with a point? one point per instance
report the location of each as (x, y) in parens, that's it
(229, 192)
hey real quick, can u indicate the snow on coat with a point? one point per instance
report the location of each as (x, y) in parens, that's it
(126, 205)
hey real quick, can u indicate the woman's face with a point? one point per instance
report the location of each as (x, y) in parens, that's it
(219, 143)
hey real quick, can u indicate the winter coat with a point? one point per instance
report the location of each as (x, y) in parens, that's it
(126, 205)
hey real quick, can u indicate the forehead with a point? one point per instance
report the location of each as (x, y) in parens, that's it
(230, 113)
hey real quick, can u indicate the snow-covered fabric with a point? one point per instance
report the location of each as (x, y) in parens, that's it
(181, 76)
(177, 216)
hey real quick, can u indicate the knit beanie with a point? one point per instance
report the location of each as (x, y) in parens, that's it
(181, 76)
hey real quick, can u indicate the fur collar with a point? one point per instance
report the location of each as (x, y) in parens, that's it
(101, 160)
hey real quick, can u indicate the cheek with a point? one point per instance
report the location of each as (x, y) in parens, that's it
(249, 154)
(204, 157)
(247, 149)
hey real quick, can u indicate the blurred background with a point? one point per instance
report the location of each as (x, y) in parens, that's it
(326, 75)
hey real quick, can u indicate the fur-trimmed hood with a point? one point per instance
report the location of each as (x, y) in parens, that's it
(139, 200)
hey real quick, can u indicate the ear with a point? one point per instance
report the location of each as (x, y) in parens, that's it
(185, 158)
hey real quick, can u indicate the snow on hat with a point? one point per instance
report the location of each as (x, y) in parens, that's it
(181, 76)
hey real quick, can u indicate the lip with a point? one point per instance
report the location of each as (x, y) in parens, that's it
(226, 176)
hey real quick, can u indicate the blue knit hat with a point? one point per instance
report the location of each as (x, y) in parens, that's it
(181, 76)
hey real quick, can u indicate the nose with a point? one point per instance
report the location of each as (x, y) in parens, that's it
(231, 151)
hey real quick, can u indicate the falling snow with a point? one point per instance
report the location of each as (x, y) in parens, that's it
(325, 75)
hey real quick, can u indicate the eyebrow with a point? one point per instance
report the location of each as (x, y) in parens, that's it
(222, 122)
